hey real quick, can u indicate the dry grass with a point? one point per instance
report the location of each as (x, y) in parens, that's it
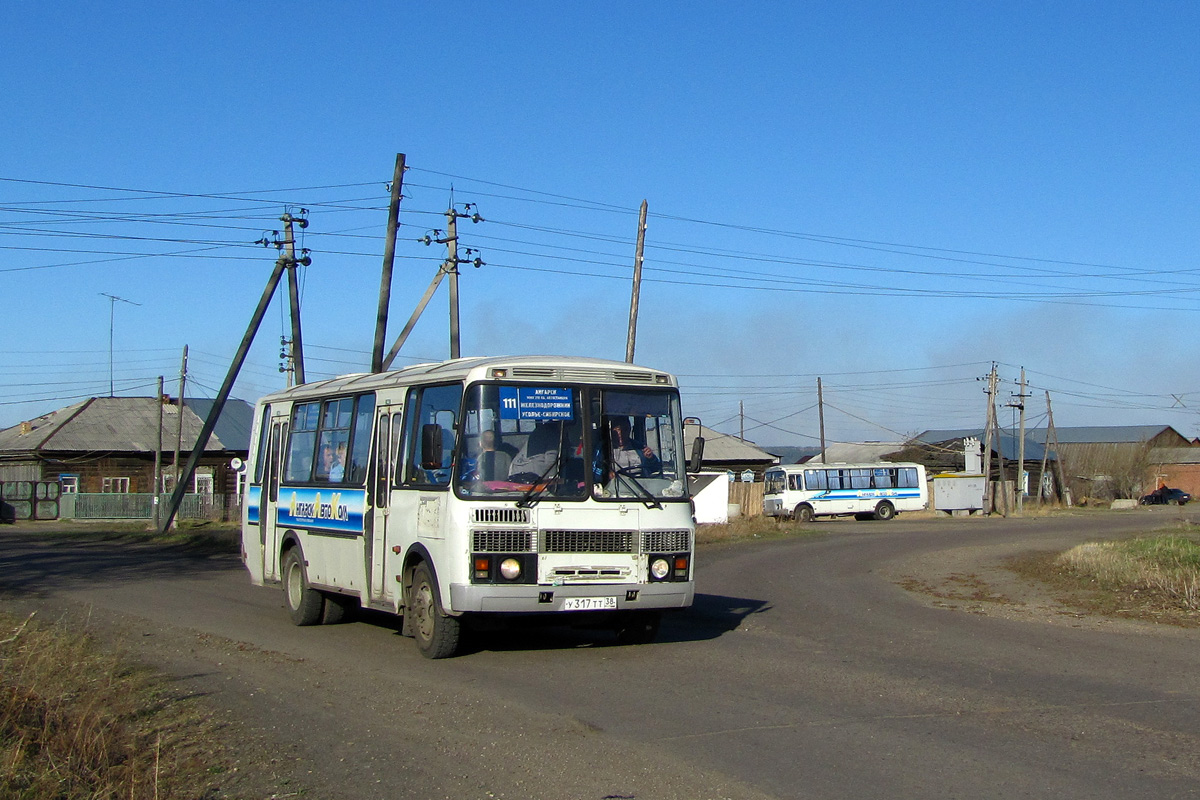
(1153, 577)
(79, 722)
(755, 528)
(1166, 568)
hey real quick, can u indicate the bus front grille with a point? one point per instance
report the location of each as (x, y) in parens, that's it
(587, 542)
(489, 541)
(502, 516)
(666, 541)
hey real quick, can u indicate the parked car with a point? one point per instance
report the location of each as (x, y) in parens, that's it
(1164, 495)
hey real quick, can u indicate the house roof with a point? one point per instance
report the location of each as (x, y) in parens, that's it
(1004, 442)
(128, 424)
(724, 447)
(857, 452)
(1103, 434)
(1175, 455)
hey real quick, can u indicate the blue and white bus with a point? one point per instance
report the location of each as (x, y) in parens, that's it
(480, 486)
(868, 491)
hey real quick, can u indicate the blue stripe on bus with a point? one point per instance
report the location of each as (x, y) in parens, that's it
(851, 494)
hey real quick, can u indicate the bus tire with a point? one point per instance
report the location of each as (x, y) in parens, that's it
(885, 511)
(804, 513)
(337, 607)
(437, 635)
(638, 627)
(305, 604)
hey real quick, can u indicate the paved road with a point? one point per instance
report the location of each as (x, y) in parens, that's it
(803, 671)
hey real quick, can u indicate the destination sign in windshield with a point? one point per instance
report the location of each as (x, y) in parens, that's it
(537, 403)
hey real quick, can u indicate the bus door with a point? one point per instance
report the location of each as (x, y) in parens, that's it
(420, 506)
(268, 517)
(387, 440)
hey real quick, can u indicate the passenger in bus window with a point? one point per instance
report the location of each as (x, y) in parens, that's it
(337, 470)
(325, 464)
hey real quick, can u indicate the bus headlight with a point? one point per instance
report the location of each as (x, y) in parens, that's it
(510, 569)
(660, 568)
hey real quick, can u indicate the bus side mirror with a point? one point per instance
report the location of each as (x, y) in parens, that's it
(697, 454)
(431, 446)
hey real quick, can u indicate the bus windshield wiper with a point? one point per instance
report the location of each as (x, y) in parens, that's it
(648, 499)
(539, 486)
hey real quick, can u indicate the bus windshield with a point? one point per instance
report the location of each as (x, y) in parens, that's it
(540, 442)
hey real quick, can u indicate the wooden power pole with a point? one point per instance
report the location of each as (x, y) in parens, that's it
(289, 259)
(821, 417)
(631, 340)
(389, 258)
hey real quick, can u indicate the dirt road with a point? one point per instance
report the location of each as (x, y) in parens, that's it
(804, 670)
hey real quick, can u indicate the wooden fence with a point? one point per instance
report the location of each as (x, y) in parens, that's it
(217, 507)
(748, 495)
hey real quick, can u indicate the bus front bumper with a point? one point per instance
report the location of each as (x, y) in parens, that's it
(549, 599)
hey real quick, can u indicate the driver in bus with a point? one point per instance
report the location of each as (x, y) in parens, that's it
(626, 455)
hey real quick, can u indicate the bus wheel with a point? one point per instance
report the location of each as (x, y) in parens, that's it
(804, 513)
(885, 511)
(436, 634)
(337, 607)
(638, 627)
(305, 604)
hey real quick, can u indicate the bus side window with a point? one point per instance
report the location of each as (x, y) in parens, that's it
(260, 457)
(430, 406)
(302, 442)
(396, 451)
(360, 446)
(908, 477)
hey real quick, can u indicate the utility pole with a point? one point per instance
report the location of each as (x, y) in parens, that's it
(1020, 481)
(289, 260)
(452, 269)
(1045, 457)
(179, 415)
(389, 257)
(1002, 484)
(742, 420)
(112, 313)
(821, 417)
(1058, 466)
(990, 428)
(637, 285)
(448, 267)
(223, 394)
(158, 453)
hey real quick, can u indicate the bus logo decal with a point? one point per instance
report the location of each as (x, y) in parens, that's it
(340, 511)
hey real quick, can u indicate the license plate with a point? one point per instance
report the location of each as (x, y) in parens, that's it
(588, 603)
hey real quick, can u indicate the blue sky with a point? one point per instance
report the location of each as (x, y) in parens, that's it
(888, 196)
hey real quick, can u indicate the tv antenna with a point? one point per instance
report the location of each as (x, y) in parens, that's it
(112, 312)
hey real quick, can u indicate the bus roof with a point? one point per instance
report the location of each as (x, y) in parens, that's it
(557, 369)
(842, 465)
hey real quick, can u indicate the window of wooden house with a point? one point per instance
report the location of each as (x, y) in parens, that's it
(115, 485)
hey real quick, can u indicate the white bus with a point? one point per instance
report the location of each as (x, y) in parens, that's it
(868, 491)
(501, 486)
